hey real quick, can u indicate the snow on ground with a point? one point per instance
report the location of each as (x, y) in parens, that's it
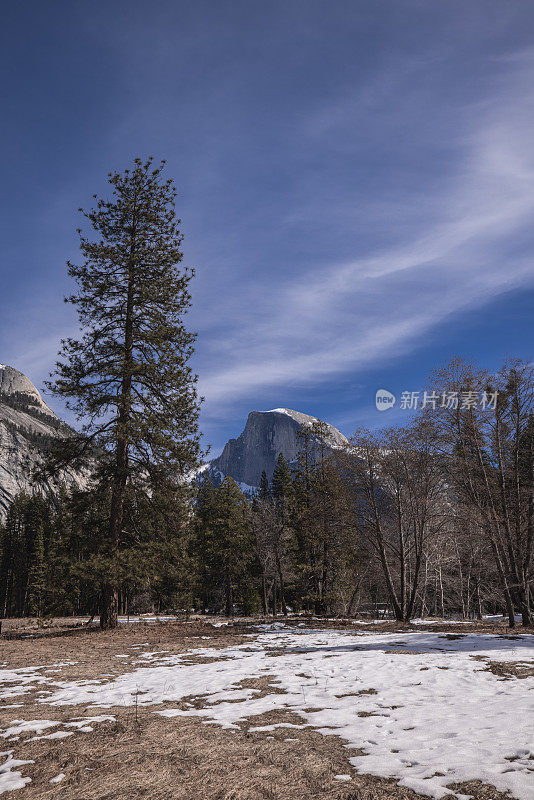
(37, 726)
(14, 682)
(417, 703)
(11, 778)
(19, 726)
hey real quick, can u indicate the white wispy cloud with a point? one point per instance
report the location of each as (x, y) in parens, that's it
(339, 317)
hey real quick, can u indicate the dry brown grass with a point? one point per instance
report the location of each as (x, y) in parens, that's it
(66, 625)
(479, 790)
(179, 759)
(506, 669)
(91, 647)
(182, 759)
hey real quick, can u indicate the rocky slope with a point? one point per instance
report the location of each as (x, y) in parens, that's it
(27, 425)
(266, 434)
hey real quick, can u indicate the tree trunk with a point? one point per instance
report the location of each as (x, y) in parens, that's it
(526, 615)
(504, 585)
(228, 597)
(423, 594)
(109, 613)
(415, 584)
(397, 610)
(281, 581)
(354, 600)
(109, 616)
(264, 594)
(478, 602)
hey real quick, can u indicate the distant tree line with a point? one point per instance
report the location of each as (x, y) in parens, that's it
(434, 518)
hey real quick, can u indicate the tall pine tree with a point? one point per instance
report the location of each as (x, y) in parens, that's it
(224, 546)
(128, 376)
(283, 496)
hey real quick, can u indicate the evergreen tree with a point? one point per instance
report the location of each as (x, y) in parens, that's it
(9, 564)
(203, 552)
(36, 576)
(264, 491)
(159, 549)
(225, 547)
(24, 556)
(263, 526)
(283, 496)
(282, 483)
(128, 377)
(76, 567)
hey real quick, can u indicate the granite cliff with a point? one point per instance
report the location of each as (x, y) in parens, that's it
(266, 434)
(27, 427)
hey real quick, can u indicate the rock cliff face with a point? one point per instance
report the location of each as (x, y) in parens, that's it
(266, 434)
(13, 382)
(27, 426)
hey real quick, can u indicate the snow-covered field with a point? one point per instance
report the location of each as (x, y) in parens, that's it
(422, 706)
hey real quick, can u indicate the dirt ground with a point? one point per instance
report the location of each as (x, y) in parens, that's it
(142, 755)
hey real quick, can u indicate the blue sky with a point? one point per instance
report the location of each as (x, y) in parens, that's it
(356, 185)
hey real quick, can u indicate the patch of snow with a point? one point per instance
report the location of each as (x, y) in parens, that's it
(84, 720)
(10, 780)
(58, 778)
(247, 489)
(417, 703)
(193, 474)
(342, 778)
(25, 679)
(18, 726)
(55, 735)
(259, 728)
(440, 621)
